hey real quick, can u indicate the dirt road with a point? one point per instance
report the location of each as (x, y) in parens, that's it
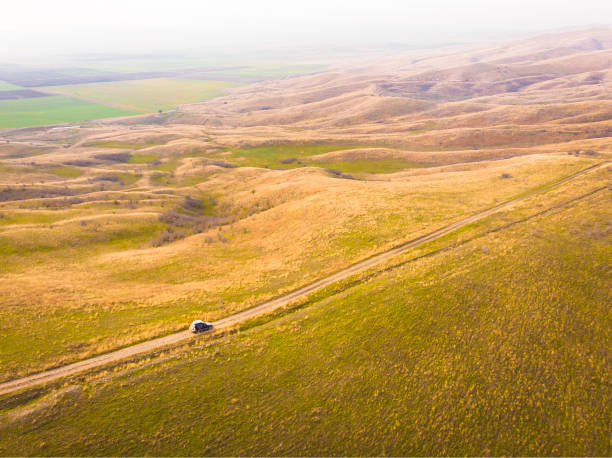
(273, 304)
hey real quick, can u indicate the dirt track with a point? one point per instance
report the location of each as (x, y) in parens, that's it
(273, 304)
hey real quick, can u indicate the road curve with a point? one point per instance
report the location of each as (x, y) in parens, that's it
(273, 304)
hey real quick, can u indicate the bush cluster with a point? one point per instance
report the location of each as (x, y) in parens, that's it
(114, 157)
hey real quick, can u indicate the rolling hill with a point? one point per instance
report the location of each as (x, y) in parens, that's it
(492, 340)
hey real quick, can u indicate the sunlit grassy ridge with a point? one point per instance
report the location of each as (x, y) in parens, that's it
(497, 346)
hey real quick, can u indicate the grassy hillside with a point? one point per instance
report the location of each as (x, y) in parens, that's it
(52, 110)
(106, 260)
(148, 95)
(496, 345)
(491, 340)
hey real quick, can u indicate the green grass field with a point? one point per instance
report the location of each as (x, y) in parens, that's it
(290, 156)
(276, 156)
(66, 171)
(52, 110)
(460, 352)
(4, 86)
(147, 95)
(369, 166)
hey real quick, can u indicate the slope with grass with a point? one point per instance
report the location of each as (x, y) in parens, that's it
(491, 340)
(462, 351)
(105, 283)
(271, 306)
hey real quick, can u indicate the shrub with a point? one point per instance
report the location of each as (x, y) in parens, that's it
(65, 202)
(113, 178)
(167, 237)
(23, 193)
(193, 224)
(289, 160)
(114, 157)
(334, 172)
(225, 165)
(79, 163)
(339, 174)
(190, 203)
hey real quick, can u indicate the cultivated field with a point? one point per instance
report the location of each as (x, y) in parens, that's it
(492, 340)
(145, 96)
(38, 111)
(124, 86)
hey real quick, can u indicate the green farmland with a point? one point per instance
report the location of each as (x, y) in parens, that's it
(39, 111)
(148, 95)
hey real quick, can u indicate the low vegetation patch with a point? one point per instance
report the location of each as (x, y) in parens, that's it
(193, 217)
(66, 171)
(119, 178)
(114, 157)
(223, 164)
(138, 158)
(283, 155)
(11, 193)
(117, 144)
(289, 156)
(372, 166)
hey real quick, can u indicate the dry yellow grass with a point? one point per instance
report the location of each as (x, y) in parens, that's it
(96, 263)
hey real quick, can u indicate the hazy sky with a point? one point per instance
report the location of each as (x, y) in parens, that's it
(73, 26)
